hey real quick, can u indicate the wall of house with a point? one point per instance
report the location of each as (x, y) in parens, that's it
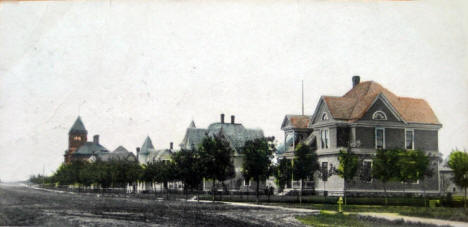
(334, 182)
(429, 184)
(394, 138)
(366, 137)
(426, 140)
(379, 106)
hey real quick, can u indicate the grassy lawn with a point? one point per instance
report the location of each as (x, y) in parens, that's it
(341, 220)
(446, 213)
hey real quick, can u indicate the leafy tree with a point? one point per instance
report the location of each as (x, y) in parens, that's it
(257, 160)
(406, 166)
(384, 167)
(305, 164)
(347, 168)
(283, 172)
(458, 162)
(68, 174)
(422, 168)
(188, 168)
(215, 154)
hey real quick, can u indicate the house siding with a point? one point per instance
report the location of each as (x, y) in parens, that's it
(379, 106)
(366, 137)
(426, 140)
(394, 138)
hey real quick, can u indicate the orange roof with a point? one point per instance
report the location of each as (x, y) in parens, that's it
(296, 121)
(354, 104)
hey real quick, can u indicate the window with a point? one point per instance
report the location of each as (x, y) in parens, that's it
(324, 171)
(77, 138)
(324, 138)
(366, 169)
(409, 139)
(324, 116)
(379, 115)
(379, 138)
(246, 182)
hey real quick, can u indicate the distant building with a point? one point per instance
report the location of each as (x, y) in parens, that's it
(147, 153)
(80, 149)
(368, 117)
(446, 180)
(119, 154)
(236, 134)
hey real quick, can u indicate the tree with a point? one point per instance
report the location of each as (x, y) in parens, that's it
(215, 154)
(458, 162)
(422, 168)
(406, 166)
(257, 155)
(68, 174)
(384, 167)
(347, 168)
(188, 168)
(305, 164)
(283, 172)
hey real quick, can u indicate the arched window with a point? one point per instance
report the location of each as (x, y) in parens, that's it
(379, 115)
(324, 116)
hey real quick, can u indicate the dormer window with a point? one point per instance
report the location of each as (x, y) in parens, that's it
(379, 115)
(324, 116)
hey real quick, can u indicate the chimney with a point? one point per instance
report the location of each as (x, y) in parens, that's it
(222, 118)
(171, 145)
(356, 80)
(233, 119)
(138, 152)
(96, 139)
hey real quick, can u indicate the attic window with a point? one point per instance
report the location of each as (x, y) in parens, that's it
(379, 115)
(324, 116)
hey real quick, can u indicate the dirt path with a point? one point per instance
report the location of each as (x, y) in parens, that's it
(415, 220)
(20, 205)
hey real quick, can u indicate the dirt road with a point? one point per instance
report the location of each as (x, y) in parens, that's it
(20, 205)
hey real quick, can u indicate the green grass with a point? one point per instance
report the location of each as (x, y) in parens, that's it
(325, 219)
(446, 213)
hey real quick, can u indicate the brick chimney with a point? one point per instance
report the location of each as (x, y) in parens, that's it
(233, 119)
(222, 118)
(356, 80)
(96, 139)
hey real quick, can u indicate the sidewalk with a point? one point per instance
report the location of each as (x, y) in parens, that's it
(415, 220)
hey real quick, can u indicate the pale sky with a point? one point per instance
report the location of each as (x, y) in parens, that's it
(138, 68)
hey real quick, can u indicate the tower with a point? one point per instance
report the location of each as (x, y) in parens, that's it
(77, 136)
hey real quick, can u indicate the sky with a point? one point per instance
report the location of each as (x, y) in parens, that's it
(133, 69)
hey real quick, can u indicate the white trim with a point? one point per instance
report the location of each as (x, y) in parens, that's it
(247, 185)
(389, 106)
(327, 136)
(412, 142)
(383, 137)
(324, 116)
(379, 112)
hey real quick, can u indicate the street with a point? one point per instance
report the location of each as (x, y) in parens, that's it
(21, 205)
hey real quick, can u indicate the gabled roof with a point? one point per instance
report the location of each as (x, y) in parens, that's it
(147, 146)
(296, 121)
(78, 127)
(236, 135)
(355, 103)
(120, 149)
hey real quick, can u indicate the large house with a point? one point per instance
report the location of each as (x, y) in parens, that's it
(147, 153)
(236, 134)
(80, 149)
(368, 117)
